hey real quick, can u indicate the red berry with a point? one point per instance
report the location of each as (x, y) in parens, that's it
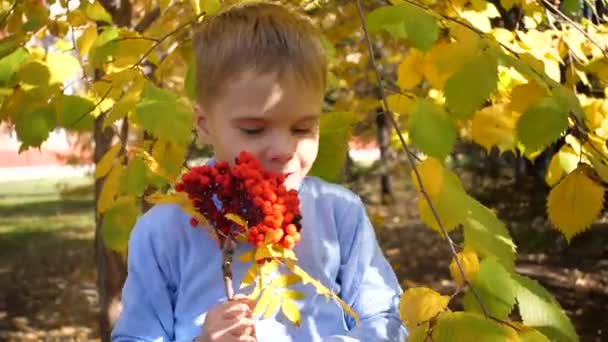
(193, 222)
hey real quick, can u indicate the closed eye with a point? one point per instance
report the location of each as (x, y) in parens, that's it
(252, 131)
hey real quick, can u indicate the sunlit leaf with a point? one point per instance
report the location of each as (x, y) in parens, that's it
(105, 163)
(431, 130)
(542, 124)
(117, 223)
(495, 289)
(95, 11)
(420, 304)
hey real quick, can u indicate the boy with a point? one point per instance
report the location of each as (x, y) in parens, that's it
(260, 81)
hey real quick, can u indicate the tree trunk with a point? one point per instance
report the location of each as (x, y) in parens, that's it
(383, 136)
(111, 266)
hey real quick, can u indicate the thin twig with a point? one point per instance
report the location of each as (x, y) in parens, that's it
(411, 159)
(575, 25)
(227, 253)
(92, 109)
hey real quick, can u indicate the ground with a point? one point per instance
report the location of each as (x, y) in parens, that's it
(47, 277)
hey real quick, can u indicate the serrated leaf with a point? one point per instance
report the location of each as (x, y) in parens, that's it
(104, 46)
(495, 288)
(418, 333)
(33, 128)
(539, 309)
(285, 280)
(541, 124)
(466, 326)
(335, 131)
(105, 163)
(420, 304)
(74, 112)
(432, 174)
(421, 27)
(63, 67)
(118, 222)
(431, 130)
(531, 335)
(468, 88)
(97, 12)
(385, 17)
(485, 234)
(11, 63)
(400, 104)
(109, 190)
(575, 203)
(494, 126)
(269, 251)
(34, 73)
(236, 219)
(451, 205)
(291, 311)
(86, 40)
(470, 265)
(151, 113)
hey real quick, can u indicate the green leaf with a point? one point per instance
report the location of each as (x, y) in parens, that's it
(210, 7)
(495, 288)
(74, 113)
(105, 45)
(467, 326)
(431, 130)
(33, 128)
(421, 27)
(34, 73)
(405, 20)
(571, 7)
(532, 335)
(468, 88)
(485, 234)
(118, 222)
(335, 132)
(97, 12)
(152, 113)
(10, 44)
(539, 309)
(541, 124)
(190, 82)
(10, 64)
(134, 182)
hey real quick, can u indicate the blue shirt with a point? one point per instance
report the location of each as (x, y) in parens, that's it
(174, 275)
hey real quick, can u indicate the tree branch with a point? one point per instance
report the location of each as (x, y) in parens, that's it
(411, 160)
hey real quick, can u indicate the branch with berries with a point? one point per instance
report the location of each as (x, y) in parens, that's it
(247, 204)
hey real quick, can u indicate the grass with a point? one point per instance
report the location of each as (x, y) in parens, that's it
(31, 210)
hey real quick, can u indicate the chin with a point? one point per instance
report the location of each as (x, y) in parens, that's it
(293, 182)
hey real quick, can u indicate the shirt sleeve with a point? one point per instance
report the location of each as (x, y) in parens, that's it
(147, 311)
(368, 283)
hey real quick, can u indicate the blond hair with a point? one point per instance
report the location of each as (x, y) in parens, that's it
(258, 37)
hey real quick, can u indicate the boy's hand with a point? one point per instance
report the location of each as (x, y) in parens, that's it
(230, 321)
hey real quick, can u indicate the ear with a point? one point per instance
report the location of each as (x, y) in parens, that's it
(201, 124)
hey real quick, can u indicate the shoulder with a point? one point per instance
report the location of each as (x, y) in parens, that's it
(161, 223)
(324, 190)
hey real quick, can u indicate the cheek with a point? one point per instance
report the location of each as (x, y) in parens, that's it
(307, 151)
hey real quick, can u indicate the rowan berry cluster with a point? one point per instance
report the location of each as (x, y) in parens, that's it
(258, 196)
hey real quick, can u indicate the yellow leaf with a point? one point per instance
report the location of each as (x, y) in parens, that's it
(575, 203)
(409, 73)
(270, 250)
(210, 7)
(63, 67)
(170, 156)
(494, 126)
(250, 275)
(105, 164)
(291, 311)
(420, 304)
(321, 289)
(432, 174)
(237, 219)
(451, 207)
(109, 189)
(262, 304)
(76, 18)
(400, 104)
(285, 280)
(522, 96)
(470, 265)
(86, 40)
(478, 20)
(554, 171)
(273, 306)
(97, 12)
(246, 257)
(293, 294)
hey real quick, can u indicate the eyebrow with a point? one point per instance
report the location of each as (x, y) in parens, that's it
(254, 118)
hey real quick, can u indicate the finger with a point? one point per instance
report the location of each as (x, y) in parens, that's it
(242, 327)
(236, 310)
(244, 299)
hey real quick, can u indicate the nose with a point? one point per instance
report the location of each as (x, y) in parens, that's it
(282, 149)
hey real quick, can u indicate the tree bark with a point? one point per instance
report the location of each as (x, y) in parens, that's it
(383, 136)
(111, 266)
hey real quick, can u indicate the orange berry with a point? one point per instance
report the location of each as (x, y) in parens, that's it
(288, 217)
(291, 229)
(277, 235)
(288, 242)
(297, 236)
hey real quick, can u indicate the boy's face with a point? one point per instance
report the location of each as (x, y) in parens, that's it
(275, 119)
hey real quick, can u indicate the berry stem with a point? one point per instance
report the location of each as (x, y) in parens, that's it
(227, 253)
